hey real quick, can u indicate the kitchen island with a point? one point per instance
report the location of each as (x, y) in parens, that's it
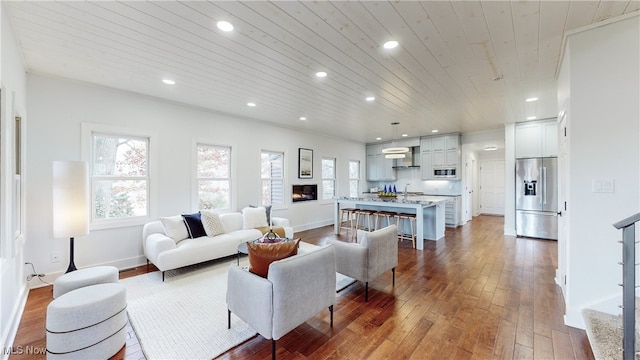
(429, 213)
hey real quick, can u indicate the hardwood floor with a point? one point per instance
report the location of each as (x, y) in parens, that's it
(477, 294)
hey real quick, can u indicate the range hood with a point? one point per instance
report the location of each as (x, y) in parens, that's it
(411, 159)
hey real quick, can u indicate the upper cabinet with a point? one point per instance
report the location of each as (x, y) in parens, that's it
(536, 139)
(378, 167)
(439, 152)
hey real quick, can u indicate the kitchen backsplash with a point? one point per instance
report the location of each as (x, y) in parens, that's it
(416, 184)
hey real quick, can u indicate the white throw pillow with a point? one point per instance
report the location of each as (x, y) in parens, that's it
(175, 228)
(213, 225)
(254, 217)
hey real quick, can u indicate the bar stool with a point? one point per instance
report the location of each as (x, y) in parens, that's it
(366, 216)
(401, 218)
(380, 216)
(350, 213)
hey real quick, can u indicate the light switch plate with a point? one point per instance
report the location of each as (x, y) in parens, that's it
(603, 185)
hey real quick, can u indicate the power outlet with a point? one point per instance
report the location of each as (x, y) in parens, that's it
(56, 257)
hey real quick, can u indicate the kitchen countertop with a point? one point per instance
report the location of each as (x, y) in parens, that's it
(423, 200)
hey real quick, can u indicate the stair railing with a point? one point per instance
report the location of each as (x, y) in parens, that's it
(628, 263)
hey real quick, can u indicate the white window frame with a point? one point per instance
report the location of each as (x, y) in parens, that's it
(195, 192)
(283, 179)
(356, 179)
(88, 130)
(332, 179)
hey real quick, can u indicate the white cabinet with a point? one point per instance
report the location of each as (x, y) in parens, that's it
(379, 168)
(439, 151)
(537, 139)
(426, 167)
(452, 212)
(550, 139)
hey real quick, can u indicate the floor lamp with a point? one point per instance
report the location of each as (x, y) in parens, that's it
(70, 202)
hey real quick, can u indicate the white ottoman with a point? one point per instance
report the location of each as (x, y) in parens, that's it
(87, 323)
(84, 277)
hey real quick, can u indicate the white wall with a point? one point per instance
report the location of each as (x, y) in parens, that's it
(604, 142)
(12, 277)
(57, 109)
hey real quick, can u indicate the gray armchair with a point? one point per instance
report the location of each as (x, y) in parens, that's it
(296, 289)
(375, 253)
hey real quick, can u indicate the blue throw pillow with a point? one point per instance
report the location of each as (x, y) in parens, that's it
(194, 225)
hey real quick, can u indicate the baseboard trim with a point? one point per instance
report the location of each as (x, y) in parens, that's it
(10, 336)
(122, 264)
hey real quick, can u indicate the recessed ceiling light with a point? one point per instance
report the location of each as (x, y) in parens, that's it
(168, 81)
(490, 148)
(321, 74)
(252, 104)
(405, 135)
(303, 118)
(434, 131)
(531, 117)
(532, 99)
(378, 138)
(390, 44)
(225, 26)
(370, 98)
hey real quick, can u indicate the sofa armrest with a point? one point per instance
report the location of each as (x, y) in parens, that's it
(157, 243)
(250, 297)
(278, 221)
(351, 259)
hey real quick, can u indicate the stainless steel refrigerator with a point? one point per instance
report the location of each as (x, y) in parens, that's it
(537, 198)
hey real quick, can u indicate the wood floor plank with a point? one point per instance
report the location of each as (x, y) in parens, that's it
(477, 294)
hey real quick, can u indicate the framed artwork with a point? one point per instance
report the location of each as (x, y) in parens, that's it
(305, 163)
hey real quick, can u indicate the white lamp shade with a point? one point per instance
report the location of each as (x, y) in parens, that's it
(70, 199)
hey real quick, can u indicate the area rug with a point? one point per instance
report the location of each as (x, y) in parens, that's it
(185, 317)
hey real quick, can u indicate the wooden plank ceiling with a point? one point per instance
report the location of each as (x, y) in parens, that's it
(460, 66)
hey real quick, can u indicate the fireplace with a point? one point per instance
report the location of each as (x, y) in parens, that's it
(304, 192)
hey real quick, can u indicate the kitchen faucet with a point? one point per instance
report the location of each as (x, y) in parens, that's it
(405, 191)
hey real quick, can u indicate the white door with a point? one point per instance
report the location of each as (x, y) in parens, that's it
(492, 187)
(467, 192)
(563, 218)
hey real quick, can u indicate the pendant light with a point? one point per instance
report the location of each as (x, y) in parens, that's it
(395, 152)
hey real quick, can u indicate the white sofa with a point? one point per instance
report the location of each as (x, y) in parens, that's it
(166, 254)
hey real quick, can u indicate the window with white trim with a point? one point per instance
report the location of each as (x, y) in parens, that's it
(328, 178)
(213, 175)
(119, 177)
(354, 178)
(272, 173)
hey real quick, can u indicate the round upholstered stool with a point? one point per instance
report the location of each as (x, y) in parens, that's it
(84, 277)
(87, 323)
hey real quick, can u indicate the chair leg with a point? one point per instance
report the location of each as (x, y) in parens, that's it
(366, 291)
(393, 276)
(331, 314)
(163, 276)
(228, 319)
(273, 349)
